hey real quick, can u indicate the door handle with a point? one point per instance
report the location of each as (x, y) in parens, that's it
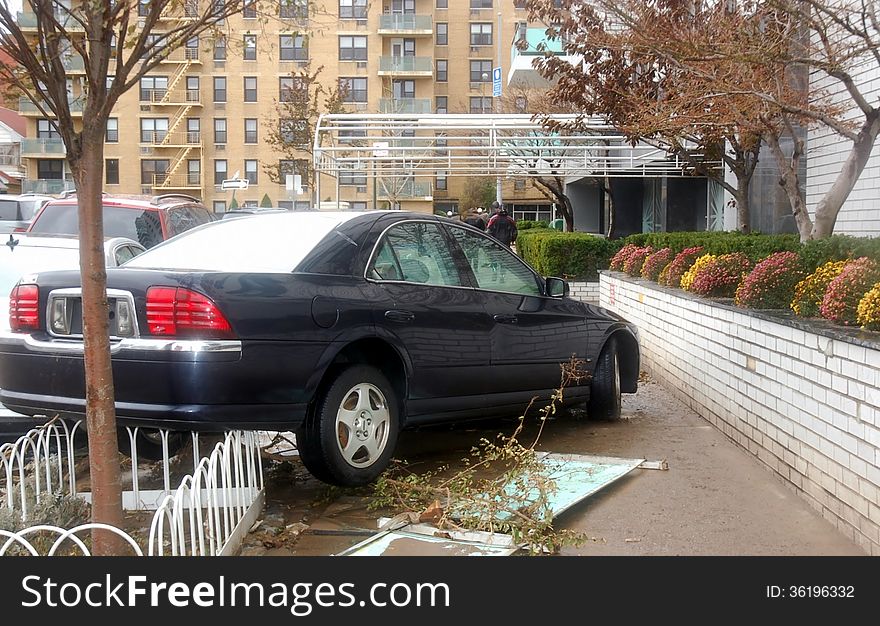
(401, 317)
(505, 319)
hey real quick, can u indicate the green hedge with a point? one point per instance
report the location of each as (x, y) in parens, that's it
(838, 248)
(567, 255)
(755, 246)
(530, 224)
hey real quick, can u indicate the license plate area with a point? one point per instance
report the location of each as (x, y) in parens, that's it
(64, 314)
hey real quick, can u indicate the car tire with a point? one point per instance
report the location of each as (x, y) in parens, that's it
(604, 401)
(351, 434)
(149, 443)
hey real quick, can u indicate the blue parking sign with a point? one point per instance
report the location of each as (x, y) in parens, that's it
(496, 82)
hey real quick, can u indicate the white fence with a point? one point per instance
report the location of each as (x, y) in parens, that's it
(207, 515)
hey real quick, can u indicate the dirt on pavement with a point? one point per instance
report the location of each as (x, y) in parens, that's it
(715, 498)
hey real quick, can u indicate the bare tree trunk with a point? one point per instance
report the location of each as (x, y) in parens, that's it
(743, 204)
(830, 204)
(104, 471)
(609, 204)
(790, 181)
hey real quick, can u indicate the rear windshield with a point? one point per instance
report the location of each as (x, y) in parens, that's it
(142, 225)
(9, 210)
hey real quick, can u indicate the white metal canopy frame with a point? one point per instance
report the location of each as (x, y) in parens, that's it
(494, 145)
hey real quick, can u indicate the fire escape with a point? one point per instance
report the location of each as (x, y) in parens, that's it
(181, 104)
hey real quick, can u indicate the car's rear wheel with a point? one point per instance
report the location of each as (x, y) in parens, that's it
(350, 437)
(605, 387)
(149, 443)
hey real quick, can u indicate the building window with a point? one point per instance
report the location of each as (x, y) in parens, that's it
(403, 88)
(352, 48)
(153, 88)
(481, 104)
(153, 171)
(521, 103)
(481, 4)
(294, 47)
(442, 72)
(442, 30)
(250, 9)
(353, 9)
(250, 171)
(481, 71)
(250, 48)
(112, 134)
(349, 179)
(293, 9)
(442, 104)
(193, 130)
(294, 131)
(143, 8)
(192, 89)
(292, 89)
(250, 130)
(481, 34)
(219, 89)
(294, 167)
(440, 182)
(220, 48)
(219, 206)
(220, 170)
(519, 184)
(353, 89)
(219, 130)
(46, 129)
(153, 129)
(250, 88)
(111, 171)
(50, 169)
(442, 4)
(191, 49)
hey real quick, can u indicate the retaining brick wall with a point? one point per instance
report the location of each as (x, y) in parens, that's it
(806, 404)
(584, 291)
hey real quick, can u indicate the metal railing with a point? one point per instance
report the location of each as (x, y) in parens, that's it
(406, 23)
(28, 21)
(405, 105)
(206, 515)
(46, 186)
(42, 147)
(406, 65)
(410, 189)
(26, 106)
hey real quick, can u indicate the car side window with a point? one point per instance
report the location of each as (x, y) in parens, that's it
(415, 252)
(495, 267)
(124, 253)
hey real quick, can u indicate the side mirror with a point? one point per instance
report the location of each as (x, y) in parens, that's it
(555, 287)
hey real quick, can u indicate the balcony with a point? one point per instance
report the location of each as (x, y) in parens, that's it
(54, 148)
(405, 105)
(521, 73)
(406, 66)
(176, 139)
(404, 190)
(183, 55)
(177, 181)
(398, 24)
(28, 22)
(26, 107)
(45, 186)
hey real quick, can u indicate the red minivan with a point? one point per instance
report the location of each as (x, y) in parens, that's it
(149, 220)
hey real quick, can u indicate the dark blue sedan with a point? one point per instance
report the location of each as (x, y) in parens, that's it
(345, 327)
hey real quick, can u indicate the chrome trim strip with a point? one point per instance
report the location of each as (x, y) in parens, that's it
(191, 346)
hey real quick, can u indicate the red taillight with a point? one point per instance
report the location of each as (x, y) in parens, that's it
(24, 308)
(176, 311)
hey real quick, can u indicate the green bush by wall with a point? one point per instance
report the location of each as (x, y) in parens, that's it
(568, 255)
(755, 246)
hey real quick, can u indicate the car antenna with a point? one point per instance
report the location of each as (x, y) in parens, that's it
(12, 242)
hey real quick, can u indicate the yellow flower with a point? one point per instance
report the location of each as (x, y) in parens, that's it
(687, 280)
(809, 292)
(869, 309)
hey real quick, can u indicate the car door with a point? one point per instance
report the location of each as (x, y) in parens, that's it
(531, 334)
(436, 316)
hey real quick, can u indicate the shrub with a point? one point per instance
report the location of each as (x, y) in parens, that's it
(756, 246)
(655, 263)
(717, 276)
(530, 224)
(633, 264)
(672, 274)
(570, 255)
(687, 279)
(838, 248)
(619, 259)
(809, 292)
(869, 309)
(841, 301)
(771, 284)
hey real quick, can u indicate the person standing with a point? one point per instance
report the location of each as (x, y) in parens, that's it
(474, 219)
(501, 226)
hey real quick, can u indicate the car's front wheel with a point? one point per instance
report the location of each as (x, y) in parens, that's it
(350, 437)
(605, 387)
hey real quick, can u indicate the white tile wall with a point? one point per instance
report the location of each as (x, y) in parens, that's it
(811, 418)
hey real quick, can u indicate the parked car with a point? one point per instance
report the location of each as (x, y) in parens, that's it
(342, 326)
(147, 220)
(23, 254)
(16, 212)
(248, 211)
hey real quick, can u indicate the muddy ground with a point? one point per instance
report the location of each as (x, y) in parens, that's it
(715, 499)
